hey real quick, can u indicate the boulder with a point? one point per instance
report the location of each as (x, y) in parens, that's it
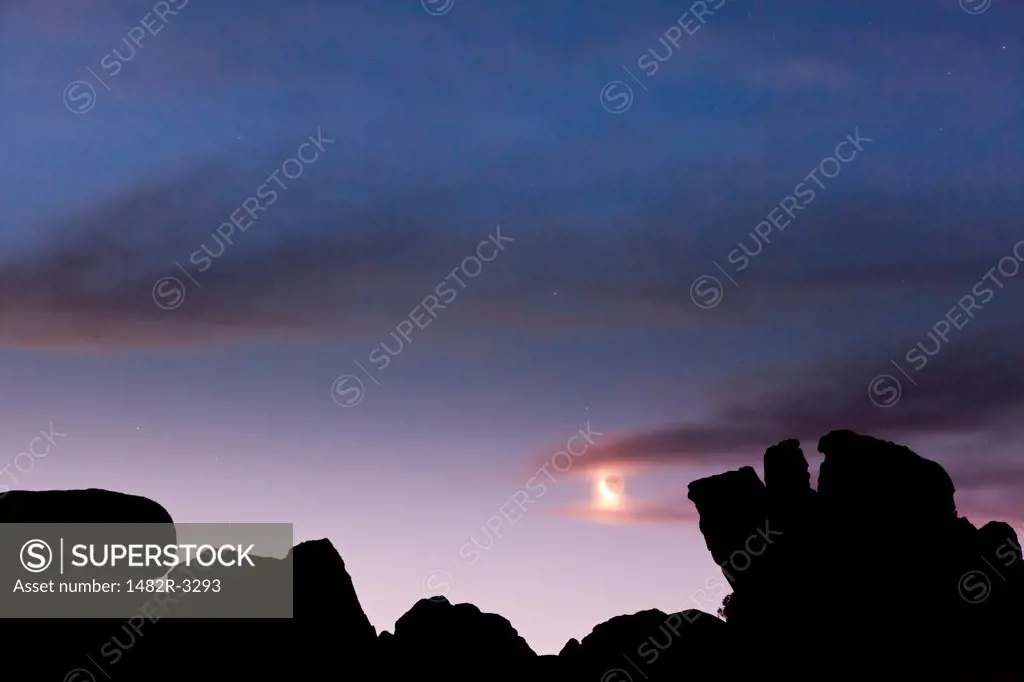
(79, 506)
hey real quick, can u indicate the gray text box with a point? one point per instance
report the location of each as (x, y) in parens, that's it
(126, 570)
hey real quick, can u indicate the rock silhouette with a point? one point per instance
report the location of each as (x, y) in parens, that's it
(438, 639)
(79, 506)
(873, 574)
(873, 571)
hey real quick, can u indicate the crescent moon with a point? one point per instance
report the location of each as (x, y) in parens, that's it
(606, 492)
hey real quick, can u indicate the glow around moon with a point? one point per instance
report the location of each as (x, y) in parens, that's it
(609, 491)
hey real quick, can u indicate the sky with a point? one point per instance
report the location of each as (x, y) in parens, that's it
(368, 267)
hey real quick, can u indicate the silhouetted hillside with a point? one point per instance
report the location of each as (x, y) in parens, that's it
(872, 575)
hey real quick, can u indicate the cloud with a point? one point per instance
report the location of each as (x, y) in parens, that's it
(351, 248)
(632, 513)
(972, 386)
(971, 391)
(309, 267)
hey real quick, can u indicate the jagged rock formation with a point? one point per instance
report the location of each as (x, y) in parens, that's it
(329, 622)
(872, 575)
(874, 566)
(326, 598)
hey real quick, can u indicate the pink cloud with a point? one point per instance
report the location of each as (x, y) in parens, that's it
(631, 513)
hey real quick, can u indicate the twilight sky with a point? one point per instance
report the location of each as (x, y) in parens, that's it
(698, 235)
